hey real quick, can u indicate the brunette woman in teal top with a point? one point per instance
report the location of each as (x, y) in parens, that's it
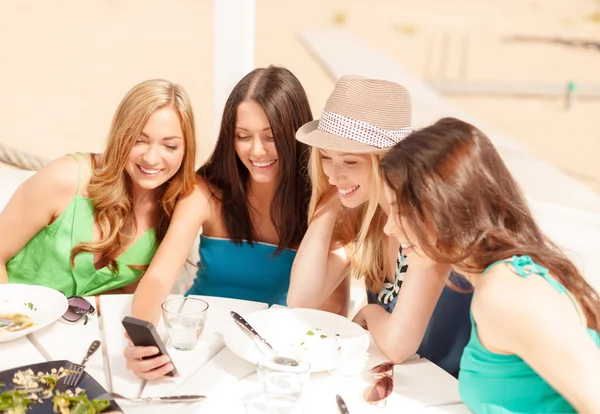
(250, 200)
(534, 344)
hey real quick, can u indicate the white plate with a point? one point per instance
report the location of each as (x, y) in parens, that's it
(334, 339)
(43, 305)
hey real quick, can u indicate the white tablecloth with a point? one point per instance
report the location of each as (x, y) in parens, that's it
(213, 370)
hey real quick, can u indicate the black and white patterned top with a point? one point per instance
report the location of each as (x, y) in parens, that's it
(389, 291)
(449, 328)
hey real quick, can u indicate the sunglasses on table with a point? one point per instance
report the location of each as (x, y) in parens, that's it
(384, 383)
(79, 308)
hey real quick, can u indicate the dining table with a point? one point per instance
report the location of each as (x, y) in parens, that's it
(212, 369)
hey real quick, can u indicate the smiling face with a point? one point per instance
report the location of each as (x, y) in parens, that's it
(158, 151)
(352, 174)
(254, 142)
(399, 229)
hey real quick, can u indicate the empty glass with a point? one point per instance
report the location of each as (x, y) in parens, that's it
(282, 380)
(184, 318)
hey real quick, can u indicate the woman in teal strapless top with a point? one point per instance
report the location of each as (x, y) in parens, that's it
(250, 200)
(87, 224)
(534, 345)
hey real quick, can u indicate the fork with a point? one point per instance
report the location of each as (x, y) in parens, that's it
(173, 398)
(77, 370)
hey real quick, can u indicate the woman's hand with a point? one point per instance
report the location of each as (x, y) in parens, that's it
(330, 203)
(320, 265)
(147, 369)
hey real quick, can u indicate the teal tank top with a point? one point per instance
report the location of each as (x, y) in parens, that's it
(243, 271)
(493, 383)
(46, 259)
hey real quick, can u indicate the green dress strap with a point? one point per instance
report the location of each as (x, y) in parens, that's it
(87, 157)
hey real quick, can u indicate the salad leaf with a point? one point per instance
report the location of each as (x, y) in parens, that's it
(15, 402)
(69, 403)
(34, 388)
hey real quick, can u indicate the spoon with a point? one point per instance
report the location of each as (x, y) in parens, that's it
(261, 343)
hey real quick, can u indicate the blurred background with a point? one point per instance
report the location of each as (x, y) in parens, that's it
(525, 71)
(66, 64)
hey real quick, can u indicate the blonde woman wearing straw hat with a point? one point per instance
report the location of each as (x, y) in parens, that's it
(362, 119)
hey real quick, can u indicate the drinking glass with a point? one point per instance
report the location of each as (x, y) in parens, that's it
(282, 381)
(184, 318)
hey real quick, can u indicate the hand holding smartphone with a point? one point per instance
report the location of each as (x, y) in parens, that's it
(143, 333)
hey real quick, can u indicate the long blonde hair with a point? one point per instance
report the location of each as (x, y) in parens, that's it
(110, 188)
(359, 230)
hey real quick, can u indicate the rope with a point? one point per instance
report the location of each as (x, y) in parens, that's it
(21, 159)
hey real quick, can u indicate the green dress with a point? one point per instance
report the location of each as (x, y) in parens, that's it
(45, 260)
(494, 383)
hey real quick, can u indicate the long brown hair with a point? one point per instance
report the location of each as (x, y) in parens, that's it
(284, 101)
(110, 188)
(449, 179)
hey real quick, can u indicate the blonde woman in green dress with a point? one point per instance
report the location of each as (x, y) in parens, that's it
(534, 345)
(90, 223)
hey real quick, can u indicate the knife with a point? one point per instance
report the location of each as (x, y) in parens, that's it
(261, 343)
(174, 398)
(167, 399)
(341, 405)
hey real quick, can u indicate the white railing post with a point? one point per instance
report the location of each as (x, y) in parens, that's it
(233, 49)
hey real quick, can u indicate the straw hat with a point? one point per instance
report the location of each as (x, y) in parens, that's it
(361, 116)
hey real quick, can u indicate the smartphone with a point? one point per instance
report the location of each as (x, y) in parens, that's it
(143, 333)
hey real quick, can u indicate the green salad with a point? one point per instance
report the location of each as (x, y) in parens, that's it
(30, 388)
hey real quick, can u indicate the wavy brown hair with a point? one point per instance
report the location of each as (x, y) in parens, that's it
(449, 179)
(110, 188)
(282, 97)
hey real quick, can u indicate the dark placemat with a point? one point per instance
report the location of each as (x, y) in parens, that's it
(88, 383)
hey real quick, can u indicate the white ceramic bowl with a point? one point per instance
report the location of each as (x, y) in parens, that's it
(41, 304)
(324, 339)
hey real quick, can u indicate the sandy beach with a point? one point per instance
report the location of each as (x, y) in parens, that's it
(67, 64)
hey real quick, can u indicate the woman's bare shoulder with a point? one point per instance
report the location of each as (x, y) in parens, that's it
(200, 202)
(209, 193)
(62, 175)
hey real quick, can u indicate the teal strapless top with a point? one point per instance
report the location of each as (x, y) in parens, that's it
(243, 271)
(494, 383)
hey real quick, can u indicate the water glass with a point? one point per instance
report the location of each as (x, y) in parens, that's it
(184, 318)
(282, 381)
